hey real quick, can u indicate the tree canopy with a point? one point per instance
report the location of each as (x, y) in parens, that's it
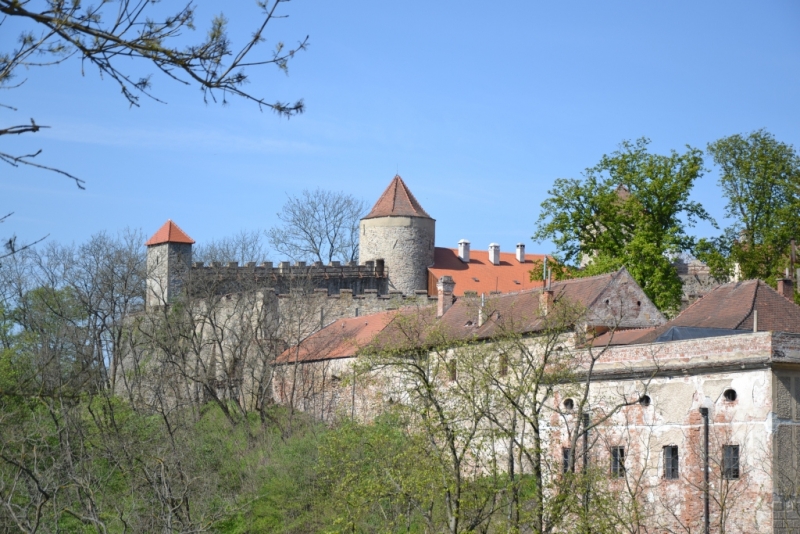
(759, 178)
(632, 209)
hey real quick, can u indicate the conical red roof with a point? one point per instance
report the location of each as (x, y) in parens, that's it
(169, 233)
(397, 201)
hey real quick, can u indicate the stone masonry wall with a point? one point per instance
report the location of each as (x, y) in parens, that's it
(286, 278)
(406, 244)
(167, 268)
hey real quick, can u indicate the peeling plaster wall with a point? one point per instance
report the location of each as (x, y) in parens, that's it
(673, 418)
(679, 377)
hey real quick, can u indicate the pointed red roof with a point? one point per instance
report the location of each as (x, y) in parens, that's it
(169, 233)
(397, 201)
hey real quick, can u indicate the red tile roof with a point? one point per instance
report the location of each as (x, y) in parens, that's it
(397, 201)
(341, 339)
(517, 313)
(622, 337)
(731, 306)
(169, 233)
(480, 274)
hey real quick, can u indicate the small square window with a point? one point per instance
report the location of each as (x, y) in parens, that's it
(730, 462)
(671, 462)
(617, 462)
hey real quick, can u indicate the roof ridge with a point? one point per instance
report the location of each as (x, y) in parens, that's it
(697, 301)
(579, 278)
(752, 305)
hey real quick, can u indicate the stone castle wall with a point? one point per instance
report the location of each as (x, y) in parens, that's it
(405, 244)
(286, 278)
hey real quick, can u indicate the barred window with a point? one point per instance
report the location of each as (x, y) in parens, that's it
(730, 462)
(618, 462)
(671, 462)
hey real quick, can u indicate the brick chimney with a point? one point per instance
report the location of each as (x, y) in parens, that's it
(494, 253)
(444, 288)
(786, 288)
(463, 250)
(521, 252)
(546, 301)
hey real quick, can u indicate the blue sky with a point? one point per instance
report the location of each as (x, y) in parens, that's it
(478, 106)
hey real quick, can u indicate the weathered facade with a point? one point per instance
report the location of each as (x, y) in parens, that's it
(665, 391)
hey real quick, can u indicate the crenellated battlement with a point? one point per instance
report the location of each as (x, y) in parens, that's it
(350, 280)
(334, 269)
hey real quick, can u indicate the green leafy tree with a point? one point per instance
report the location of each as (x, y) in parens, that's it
(631, 209)
(759, 177)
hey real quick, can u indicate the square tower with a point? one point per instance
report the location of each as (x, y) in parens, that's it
(169, 259)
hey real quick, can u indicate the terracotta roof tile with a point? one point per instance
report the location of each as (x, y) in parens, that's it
(340, 339)
(519, 312)
(480, 274)
(169, 233)
(397, 201)
(621, 337)
(731, 306)
(411, 327)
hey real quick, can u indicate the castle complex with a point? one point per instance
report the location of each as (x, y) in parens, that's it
(714, 392)
(398, 263)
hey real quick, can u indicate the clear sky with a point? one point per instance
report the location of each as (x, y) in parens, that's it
(479, 106)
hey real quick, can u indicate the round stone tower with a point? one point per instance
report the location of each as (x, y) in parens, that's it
(399, 232)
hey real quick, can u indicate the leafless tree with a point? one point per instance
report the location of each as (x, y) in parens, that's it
(107, 35)
(243, 247)
(320, 226)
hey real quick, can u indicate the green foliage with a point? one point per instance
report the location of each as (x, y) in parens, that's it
(382, 477)
(759, 176)
(631, 209)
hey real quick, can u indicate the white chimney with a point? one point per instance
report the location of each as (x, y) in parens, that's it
(521, 252)
(494, 253)
(463, 250)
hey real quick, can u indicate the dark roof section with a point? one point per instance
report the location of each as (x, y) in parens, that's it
(397, 201)
(169, 233)
(519, 313)
(730, 306)
(680, 333)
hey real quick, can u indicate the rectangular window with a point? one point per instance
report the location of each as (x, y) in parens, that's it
(730, 462)
(451, 370)
(566, 452)
(617, 462)
(503, 365)
(671, 462)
